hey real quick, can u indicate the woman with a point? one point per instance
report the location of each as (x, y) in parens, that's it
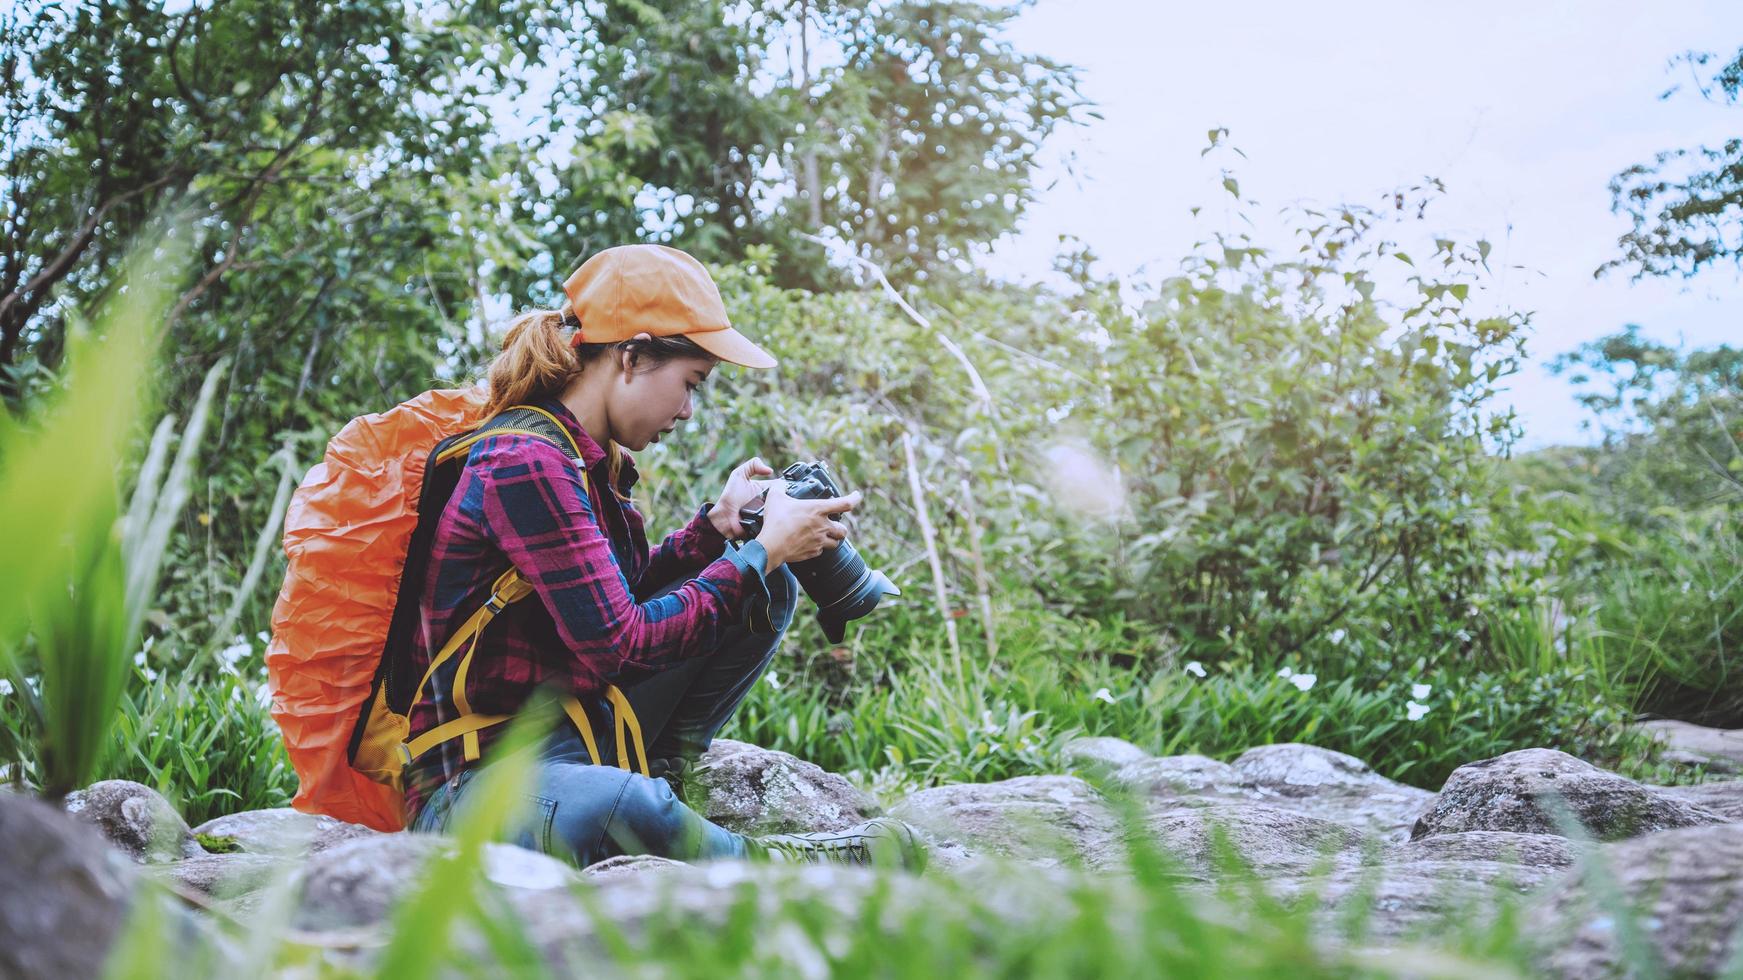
(684, 630)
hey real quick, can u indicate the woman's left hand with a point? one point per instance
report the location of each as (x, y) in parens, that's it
(741, 489)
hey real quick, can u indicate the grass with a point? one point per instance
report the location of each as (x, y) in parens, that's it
(922, 723)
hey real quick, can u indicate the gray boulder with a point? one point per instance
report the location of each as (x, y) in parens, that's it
(281, 831)
(1303, 778)
(630, 865)
(1415, 897)
(233, 879)
(357, 883)
(1267, 839)
(1681, 894)
(1045, 820)
(64, 892)
(1716, 749)
(1171, 776)
(1547, 851)
(1724, 798)
(760, 791)
(1524, 791)
(136, 819)
(748, 898)
(1101, 752)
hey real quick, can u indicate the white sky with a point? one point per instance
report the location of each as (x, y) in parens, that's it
(1525, 109)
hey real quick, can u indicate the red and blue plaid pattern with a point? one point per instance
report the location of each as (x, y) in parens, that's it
(521, 501)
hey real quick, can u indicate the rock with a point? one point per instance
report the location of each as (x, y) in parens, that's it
(1041, 819)
(357, 882)
(1724, 798)
(282, 831)
(1265, 838)
(136, 819)
(630, 865)
(1393, 900)
(1334, 786)
(1685, 890)
(1180, 775)
(677, 904)
(1304, 778)
(760, 791)
(1530, 850)
(226, 876)
(64, 892)
(1523, 791)
(1101, 752)
(1718, 749)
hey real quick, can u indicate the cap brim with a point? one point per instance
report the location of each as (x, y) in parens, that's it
(733, 347)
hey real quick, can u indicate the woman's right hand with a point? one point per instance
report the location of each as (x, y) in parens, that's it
(794, 529)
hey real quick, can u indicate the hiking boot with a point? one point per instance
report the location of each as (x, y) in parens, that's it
(884, 843)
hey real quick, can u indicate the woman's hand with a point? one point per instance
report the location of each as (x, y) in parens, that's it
(740, 491)
(794, 529)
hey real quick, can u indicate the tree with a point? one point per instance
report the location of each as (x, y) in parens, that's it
(1687, 204)
(919, 146)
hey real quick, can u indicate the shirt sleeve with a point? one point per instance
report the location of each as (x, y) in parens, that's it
(687, 550)
(534, 507)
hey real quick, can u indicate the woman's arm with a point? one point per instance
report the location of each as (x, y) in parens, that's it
(532, 505)
(687, 550)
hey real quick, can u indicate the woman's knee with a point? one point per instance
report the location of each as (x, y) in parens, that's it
(600, 811)
(650, 819)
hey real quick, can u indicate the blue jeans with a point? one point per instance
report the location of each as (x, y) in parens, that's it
(586, 813)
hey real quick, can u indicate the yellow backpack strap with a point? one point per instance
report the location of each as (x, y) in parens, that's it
(464, 725)
(627, 721)
(584, 725)
(508, 589)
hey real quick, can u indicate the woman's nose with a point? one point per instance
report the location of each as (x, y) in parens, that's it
(684, 413)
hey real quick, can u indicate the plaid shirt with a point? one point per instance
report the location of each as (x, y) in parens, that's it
(521, 501)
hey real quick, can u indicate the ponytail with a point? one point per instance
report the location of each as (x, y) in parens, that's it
(536, 362)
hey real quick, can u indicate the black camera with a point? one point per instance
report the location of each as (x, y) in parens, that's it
(839, 581)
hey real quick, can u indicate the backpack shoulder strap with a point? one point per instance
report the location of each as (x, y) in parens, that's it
(528, 420)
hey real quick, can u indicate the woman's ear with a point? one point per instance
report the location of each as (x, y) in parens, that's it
(627, 355)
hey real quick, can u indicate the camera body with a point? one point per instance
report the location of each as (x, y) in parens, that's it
(839, 581)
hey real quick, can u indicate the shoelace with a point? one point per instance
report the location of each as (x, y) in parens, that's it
(853, 848)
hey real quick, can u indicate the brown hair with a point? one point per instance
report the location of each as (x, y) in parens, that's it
(537, 362)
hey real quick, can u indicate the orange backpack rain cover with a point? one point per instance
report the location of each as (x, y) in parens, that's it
(346, 534)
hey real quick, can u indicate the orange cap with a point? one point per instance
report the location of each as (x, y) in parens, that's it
(657, 290)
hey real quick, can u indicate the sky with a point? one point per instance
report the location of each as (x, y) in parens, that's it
(1524, 109)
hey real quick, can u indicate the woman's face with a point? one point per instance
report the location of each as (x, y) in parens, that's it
(651, 401)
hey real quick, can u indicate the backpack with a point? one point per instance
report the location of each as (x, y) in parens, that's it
(357, 535)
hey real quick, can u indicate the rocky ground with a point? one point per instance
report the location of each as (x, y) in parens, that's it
(1535, 829)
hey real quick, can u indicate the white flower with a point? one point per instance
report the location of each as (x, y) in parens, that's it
(263, 696)
(773, 679)
(1286, 673)
(1304, 682)
(263, 636)
(1195, 668)
(1414, 711)
(233, 654)
(1104, 694)
(5, 687)
(139, 659)
(1337, 636)
(1421, 691)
